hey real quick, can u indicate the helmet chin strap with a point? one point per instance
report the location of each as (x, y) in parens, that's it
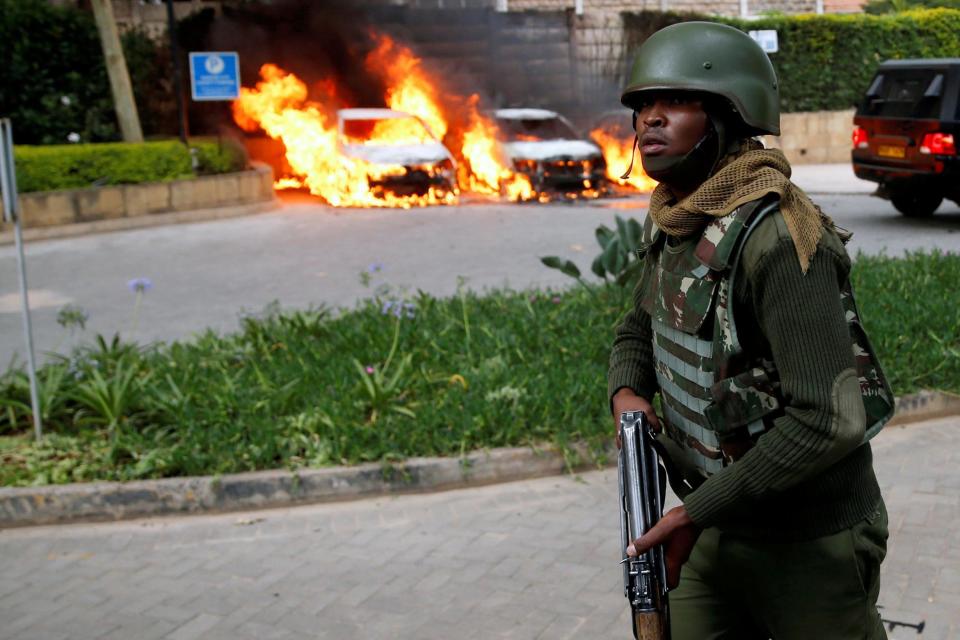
(633, 152)
(692, 168)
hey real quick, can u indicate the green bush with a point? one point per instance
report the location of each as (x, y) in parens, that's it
(219, 156)
(825, 62)
(84, 165)
(55, 82)
(396, 377)
(878, 7)
(45, 168)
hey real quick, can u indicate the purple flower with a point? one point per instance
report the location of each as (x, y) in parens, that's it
(387, 306)
(375, 267)
(410, 309)
(139, 285)
(370, 369)
(555, 300)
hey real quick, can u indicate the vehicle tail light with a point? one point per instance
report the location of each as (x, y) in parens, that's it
(938, 144)
(860, 138)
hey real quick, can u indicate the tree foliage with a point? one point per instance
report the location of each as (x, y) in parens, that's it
(55, 81)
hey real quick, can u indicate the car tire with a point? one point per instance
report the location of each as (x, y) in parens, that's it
(916, 204)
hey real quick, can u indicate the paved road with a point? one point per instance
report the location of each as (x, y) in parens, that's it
(527, 560)
(206, 273)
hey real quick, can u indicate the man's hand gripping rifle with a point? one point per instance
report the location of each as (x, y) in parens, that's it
(642, 485)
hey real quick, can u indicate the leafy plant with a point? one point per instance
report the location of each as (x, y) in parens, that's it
(109, 401)
(384, 389)
(15, 406)
(618, 260)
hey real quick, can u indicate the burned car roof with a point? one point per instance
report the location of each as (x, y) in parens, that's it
(525, 114)
(371, 114)
(541, 134)
(549, 149)
(355, 140)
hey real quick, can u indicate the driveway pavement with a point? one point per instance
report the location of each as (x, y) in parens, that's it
(527, 560)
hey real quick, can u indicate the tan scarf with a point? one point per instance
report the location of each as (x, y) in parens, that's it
(745, 176)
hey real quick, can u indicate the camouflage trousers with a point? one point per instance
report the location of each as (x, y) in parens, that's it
(738, 589)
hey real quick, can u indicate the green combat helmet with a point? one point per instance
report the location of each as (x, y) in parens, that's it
(711, 58)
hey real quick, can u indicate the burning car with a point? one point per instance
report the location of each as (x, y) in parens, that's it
(543, 145)
(398, 151)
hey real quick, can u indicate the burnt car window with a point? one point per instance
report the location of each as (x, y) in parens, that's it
(533, 130)
(386, 131)
(904, 94)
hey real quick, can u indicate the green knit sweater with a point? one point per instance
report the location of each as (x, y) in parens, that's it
(808, 476)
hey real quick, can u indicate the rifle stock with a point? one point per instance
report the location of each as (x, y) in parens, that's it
(641, 497)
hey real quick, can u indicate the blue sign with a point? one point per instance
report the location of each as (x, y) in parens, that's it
(214, 75)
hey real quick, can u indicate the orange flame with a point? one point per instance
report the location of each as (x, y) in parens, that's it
(483, 170)
(410, 90)
(616, 153)
(279, 105)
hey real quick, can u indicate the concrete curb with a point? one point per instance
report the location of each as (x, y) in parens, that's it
(100, 501)
(141, 222)
(925, 405)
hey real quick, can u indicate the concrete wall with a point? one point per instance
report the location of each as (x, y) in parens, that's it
(151, 17)
(816, 137)
(69, 206)
(511, 59)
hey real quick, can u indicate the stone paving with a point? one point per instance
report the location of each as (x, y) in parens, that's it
(534, 559)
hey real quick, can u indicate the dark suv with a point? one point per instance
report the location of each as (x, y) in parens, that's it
(905, 134)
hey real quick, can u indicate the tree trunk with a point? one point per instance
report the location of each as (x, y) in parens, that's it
(117, 71)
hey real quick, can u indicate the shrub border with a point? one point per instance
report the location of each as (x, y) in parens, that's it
(105, 501)
(49, 214)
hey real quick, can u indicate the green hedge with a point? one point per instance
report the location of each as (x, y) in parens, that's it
(44, 168)
(893, 6)
(825, 62)
(219, 155)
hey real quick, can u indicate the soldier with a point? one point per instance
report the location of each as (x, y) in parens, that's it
(745, 324)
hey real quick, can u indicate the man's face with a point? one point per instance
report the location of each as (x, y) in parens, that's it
(670, 123)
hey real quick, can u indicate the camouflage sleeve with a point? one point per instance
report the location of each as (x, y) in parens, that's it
(631, 358)
(802, 320)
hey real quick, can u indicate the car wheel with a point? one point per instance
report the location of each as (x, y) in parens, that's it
(916, 204)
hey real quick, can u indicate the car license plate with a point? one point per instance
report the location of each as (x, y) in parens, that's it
(891, 152)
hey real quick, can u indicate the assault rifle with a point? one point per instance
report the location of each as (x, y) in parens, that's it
(641, 505)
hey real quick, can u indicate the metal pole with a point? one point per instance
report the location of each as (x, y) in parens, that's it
(819, 7)
(177, 76)
(744, 8)
(11, 209)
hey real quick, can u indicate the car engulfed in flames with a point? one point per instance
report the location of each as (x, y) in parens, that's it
(402, 156)
(543, 145)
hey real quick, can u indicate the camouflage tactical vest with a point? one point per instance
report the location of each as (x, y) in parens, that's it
(717, 399)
